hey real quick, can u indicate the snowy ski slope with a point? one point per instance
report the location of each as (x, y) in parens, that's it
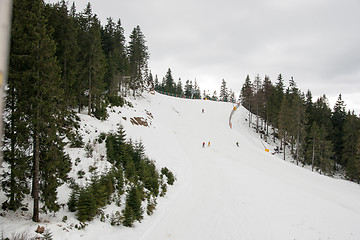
(222, 191)
(229, 192)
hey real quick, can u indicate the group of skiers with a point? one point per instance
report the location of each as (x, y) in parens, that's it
(203, 144)
(237, 144)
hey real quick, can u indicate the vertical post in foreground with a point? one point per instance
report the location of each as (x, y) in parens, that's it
(5, 26)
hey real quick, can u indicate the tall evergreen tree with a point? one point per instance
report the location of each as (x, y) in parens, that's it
(322, 112)
(268, 89)
(197, 91)
(258, 99)
(65, 34)
(299, 124)
(35, 75)
(274, 104)
(188, 88)
(138, 58)
(113, 43)
(338, 117)
(321, 148)
(157, 84)
(350, 153)
(247, 96)
(179, 88)
(285, 122)
(169, 82)
(214, 96)
(92, 58)
(224, 94)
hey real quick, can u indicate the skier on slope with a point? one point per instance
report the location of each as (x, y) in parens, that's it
(203, 144)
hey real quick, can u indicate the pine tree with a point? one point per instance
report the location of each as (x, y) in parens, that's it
(224, 95)
(326, 151)
(267, 91)
(275, 103)
(321, 148)
(258, 99)
(197, 92)
(36, 78)
(65, 35)
(232, 96)
(299, 121)
(129, 216)
(314, 139)
(322, 112)
(133, 200)
(179, 88)
(338, 117)
(86, 206)
(214, 96)
(113, 41)
(92, 58)
(169, 82)
(157, 84)
(150, 81)
(188, 89)
(350, 152)
(138, 58)
(284, 122)
(247, 97)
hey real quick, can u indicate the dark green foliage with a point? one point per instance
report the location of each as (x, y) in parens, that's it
(338, 117)
(138, 57)
(86, 205)
(102, 137)
(315, 134)
(133, 201)
(37, 107)
(72, 201)
(169, 175)
(115, 219)
(129, 216)
(89, 149)
(101, 112)
(47, 235)
(151, 207)
(163, 190)
(351, 148)
(132, 166)
(76, 140)
(170, 85)
(224, 94)
(61, 60)
(116, 101)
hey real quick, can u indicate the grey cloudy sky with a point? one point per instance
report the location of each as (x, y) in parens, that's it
(315, 41)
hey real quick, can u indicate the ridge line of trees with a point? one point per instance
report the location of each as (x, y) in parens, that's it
(328, 140)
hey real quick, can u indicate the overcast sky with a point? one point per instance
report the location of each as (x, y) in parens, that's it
(315, 41)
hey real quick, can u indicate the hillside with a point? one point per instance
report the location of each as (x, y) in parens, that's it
(222, 191)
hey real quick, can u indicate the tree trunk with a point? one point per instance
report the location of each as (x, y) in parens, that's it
(36, 170)
(313, 156)
(284, 148)
(12, 156)
(89, 103)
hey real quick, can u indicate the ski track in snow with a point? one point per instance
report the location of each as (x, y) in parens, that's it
(224, 191)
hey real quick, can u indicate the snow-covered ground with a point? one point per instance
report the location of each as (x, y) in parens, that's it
(222, 191)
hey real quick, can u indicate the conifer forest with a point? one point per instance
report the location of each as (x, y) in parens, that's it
(64, 61)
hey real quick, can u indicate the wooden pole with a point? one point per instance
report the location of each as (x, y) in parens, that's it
(5, 25)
